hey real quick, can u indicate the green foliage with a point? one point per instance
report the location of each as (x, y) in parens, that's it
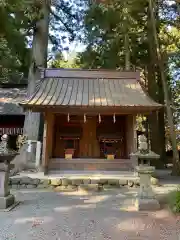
(140, 123)
(174, 201)
(60, 62)
(12, 64)
(13, 43)
(66, 23)
(106, 24)
(18, 19)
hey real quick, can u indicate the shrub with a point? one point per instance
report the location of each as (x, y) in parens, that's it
(174, 201)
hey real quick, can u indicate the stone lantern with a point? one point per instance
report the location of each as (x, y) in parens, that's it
(6, 156)
(145, 199)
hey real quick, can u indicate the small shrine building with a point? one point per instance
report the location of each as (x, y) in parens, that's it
(89, 117)
(11, 114)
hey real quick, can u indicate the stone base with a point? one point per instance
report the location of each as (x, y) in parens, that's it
(147, 204)
(6, 202)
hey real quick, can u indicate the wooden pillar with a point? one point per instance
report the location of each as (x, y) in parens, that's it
(47, 140)
(131, 139)
(134, 134)
(89, 145)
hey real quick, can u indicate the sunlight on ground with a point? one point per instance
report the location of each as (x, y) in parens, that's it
(91, 198)
(69, 208)
(63, 209)
(76, 193)
(34, 220)
(137, 224)
(124, 195)
(161, 214)
(127, 209)
(86, 206)
(96, 199)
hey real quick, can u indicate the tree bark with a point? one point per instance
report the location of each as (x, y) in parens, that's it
(127, 52)
(176, 164)
(161, 120)
(38, 60)
(178, 6)
(153, 91)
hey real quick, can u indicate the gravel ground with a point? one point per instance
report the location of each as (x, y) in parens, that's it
(108, 215)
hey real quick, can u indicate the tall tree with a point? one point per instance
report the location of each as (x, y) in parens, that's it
(39, 23)
(105, 46)
(14, 54)
(156, 119)
(57, 22)
(38, 60)
(176, 163)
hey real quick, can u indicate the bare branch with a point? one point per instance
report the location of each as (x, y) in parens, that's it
(59, 18)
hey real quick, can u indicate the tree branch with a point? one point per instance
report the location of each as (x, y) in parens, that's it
(64, 24)
(64, 9)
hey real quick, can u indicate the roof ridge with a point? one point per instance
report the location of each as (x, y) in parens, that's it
(87, 73)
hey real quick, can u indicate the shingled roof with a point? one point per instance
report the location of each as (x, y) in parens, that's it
(10, 98)
(68, 88)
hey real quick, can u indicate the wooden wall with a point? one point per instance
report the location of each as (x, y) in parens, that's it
(63, 126)
(48, 142)
(88, 143)
(119, 128)
(130, 134)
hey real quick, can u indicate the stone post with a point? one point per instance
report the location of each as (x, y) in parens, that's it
(6, 199)
(38, 154)
(6, 156)
(146, 198)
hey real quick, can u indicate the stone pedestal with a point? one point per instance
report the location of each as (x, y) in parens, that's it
(146, 199)
(6, 199)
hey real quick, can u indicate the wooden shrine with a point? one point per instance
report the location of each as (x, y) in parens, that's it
(89, 117)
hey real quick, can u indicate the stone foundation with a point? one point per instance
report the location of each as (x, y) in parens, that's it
(30, 183)
(147, 204)
(6, 202)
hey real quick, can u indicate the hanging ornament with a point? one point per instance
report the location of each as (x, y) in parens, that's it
(99, 118)
(84, 118)
(68, 118)
(114, 118)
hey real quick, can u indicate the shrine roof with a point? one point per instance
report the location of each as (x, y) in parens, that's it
(10, 98)
(76, 88)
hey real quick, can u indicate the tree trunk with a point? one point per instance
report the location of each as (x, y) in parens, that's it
(153, 92)
(161, 120)
(127, 52)
(176, 164)
(178, 6)
(126, 37)
(38, 59)
(156, 119)
(153, 117)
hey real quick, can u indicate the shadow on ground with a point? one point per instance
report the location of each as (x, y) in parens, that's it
(103, 215)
